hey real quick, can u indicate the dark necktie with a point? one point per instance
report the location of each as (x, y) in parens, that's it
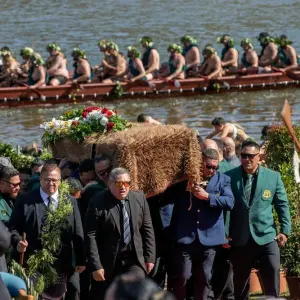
(248, 188)
(126, 224)
(51, 205)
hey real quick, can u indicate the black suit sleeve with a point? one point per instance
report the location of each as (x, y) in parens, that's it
(4, 238)
(91, 224)
(15, 223)
(78, 236)
(148, 235)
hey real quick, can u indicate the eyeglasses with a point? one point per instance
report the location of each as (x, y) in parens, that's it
(210, 167)
(248, 155)
(14, 185)
(119, 184)
(104, 171)
(49, 180)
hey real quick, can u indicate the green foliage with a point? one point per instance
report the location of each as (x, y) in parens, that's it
(280, 151)
(40, 264)
(117, 91)
(72, 114)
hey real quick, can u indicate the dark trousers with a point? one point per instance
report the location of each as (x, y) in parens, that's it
(193, 259)
(73, 288)
(126, 266)
(243, 258)
(222, 278)
(85, 282)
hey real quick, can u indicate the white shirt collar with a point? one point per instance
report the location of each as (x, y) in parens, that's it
(46, 196)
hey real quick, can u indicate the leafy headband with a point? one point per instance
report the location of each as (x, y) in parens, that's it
(54, 47)
(134, 51)
(230, 40)
(188, 39)
(26, 51)
(103, 43)
(175, 48)
(78, 53)
(113, 46)
(248, 42)
(147, 41)
(37, 59)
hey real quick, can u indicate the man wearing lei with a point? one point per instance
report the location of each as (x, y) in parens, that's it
(150, 58)
(136, 69)
(211, 67)
(53, 248)
(269, 52)
(287, 57)
(190, 52)
(177, 67)
(56, 65)
(249, 61)
(229, 55)
(82, 68)
(117, 67)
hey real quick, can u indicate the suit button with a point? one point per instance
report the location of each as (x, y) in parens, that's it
(197, 222)
(198, 210)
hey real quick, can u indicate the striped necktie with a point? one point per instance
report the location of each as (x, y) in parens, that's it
(248, 188)
(126, 224)
(51, 205)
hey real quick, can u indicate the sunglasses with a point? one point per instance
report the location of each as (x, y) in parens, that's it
(210, 167)
(104, 171)
(248, 155)
(119, 184)
(14, 185)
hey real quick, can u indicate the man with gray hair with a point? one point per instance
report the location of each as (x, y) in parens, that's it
(229, 152)
(120, 236)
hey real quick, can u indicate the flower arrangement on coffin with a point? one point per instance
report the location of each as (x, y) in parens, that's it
(80, 123)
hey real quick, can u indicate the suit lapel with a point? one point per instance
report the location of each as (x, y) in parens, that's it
(115, 212)
(240, 185)
(259, 184)
(212, 182)
(39, 203)
(133, 210)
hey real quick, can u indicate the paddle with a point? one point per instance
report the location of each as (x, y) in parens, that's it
(22, 253)
(286, 116)
(28, 87)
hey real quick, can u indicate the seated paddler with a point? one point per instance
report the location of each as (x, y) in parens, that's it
(229, 55)
(212, 65)
(190, 52)
(287, 57)
(26, 54)
(82, 68)
(150, 58)
(136, 69)
(269, 51)
(117, 65)
(249, 61)
(56, 65)
(176, 68)
(37, 75)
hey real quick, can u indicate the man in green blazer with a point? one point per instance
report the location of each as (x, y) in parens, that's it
(257, 190)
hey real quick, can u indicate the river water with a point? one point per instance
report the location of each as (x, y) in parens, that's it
(81, 23)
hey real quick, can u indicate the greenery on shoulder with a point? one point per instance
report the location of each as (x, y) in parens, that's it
(40, 264)
(78, 124)
(20, 160)
(280, 151)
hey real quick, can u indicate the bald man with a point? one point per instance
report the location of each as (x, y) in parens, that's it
(229, 152)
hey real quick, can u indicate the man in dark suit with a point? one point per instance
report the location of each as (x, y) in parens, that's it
(252, 229)
(120, 236)
(29, 215)
(198, 227)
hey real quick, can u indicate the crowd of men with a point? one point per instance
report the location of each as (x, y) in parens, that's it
(203, 237)
(277, 55)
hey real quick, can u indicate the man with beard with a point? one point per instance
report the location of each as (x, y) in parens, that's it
(190, 52)
(150, 58)
(269, 51)
(82, 68)
(9, 190)
(176, 68)
(230, 55)
(56, 66)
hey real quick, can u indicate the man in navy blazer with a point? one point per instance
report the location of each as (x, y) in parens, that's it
(198, 227)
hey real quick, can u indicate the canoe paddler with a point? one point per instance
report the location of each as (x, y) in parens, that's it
(176, 68)
(117, 67)
(56, 65)
(26, 54)
(37, 75)
(269, 52)
(229, 55)
(212, 67)
(249, 61)
(82, 68)
(287, 57)
(150, 58)
(136, 69)
(190, 52)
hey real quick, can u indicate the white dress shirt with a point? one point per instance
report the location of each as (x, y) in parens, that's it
(46, 196)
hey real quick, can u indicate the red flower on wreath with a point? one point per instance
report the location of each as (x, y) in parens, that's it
(109, 113)
(110, 126)
(89, 109)
(104, 110)
(75, 123)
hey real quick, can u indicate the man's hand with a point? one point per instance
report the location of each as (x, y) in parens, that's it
(79, 269)
(99, 275)
(281, 239)
(200, 193)
(149, 267)
(22, 245)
